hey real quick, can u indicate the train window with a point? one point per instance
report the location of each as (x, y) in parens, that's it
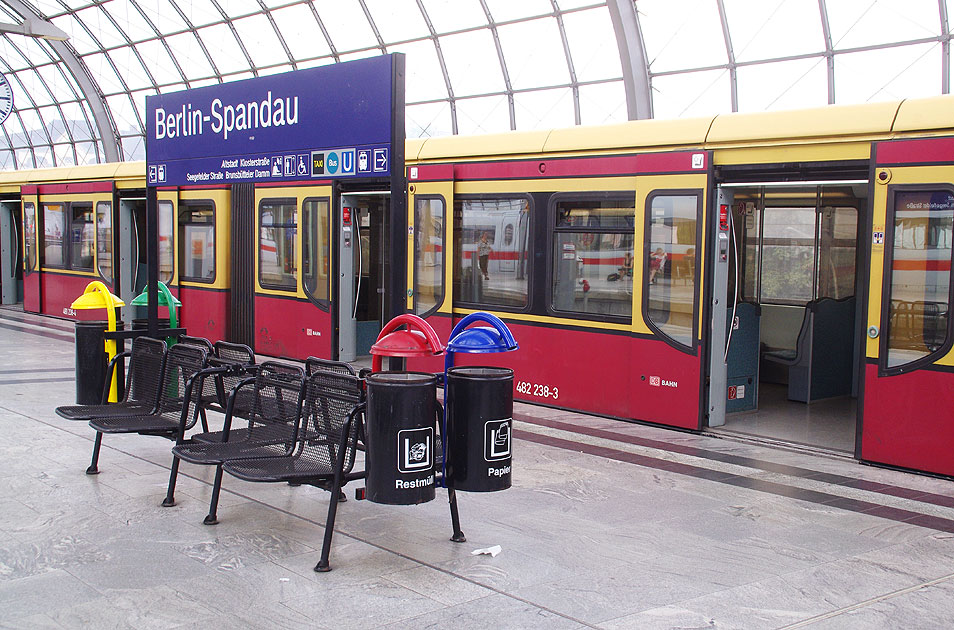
(104, 239)
(165, 242)
(197, 241)
(837, 242)
(919, 287)
(54, 227)
(29, 237)
(82, 236)
(593, 255)
(486, 270)
(428, 254)
(788, 254)
(276, 243)
(669, 268)
(316, 248)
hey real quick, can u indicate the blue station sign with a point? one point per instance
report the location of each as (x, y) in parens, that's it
(333, 121)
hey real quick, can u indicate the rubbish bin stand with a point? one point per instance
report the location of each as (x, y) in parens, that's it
(479, 426)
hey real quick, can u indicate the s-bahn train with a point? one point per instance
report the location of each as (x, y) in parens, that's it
(692, 274)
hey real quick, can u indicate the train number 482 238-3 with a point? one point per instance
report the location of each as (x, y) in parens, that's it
(540, 391)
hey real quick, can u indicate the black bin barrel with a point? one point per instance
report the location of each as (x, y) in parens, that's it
(479, 428)
(90, 362)
(401, 437)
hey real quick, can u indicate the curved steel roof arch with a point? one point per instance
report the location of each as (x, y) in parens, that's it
(603, 62)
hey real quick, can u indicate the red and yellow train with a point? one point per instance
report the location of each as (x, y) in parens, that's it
(688, 273)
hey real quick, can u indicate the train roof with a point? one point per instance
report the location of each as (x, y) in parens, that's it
(848, 122)
(118, 171)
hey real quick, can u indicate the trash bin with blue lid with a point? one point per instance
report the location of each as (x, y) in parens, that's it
(478, 414)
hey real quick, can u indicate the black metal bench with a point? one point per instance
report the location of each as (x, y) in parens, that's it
(325, 447)
(141, 392)
(177, 407)
(272, 428)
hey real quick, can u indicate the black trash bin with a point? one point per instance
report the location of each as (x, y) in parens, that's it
(479, 425)
(401, 437)
(90, 362)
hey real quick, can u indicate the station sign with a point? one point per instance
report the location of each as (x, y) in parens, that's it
(328, 122)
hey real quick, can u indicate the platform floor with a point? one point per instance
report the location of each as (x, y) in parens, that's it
(608, 525)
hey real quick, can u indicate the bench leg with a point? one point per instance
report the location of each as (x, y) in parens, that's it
(212, 519)
(455, 516)
(170, 499)
(323, 565)
(93, 470)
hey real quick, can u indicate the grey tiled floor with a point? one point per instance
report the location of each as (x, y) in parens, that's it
(588, 541)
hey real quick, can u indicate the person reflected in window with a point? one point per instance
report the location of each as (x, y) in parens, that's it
(657, 261)
(626, 270)
(483, 254)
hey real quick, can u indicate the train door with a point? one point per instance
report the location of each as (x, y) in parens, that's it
(129, 247)
(909, 363)
(667, 369)
(784, 343)
(429, 209)
(202, 264)
(10, 268)
(363, 268)
(293, 262)
(30, 251)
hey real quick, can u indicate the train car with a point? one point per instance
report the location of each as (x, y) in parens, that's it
(785, 275)
(782, 275)
(75, 225)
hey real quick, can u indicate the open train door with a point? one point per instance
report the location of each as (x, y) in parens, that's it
(10, 247)
(907, 419)
(30, 250)
(430, 207)
(668, 349)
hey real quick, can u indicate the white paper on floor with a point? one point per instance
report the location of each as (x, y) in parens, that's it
(491, 551)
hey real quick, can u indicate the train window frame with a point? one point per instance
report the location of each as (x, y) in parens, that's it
(812, 277)
(322, 303)
(167, 205)
(108, 240)
(659, 333)
(183, 210)
(626, 196)
(884, 337)
(64, 236)
(443, 271)
(30, 254)
(285, 201)
(85, 207)
(506, 308)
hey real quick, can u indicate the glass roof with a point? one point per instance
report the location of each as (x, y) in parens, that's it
(473, 66)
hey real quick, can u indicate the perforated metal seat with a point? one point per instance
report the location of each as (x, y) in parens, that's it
(141, 394)
(325, 451)
(314, 364)
(216, 391)
(177, 409)
(271, 431)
